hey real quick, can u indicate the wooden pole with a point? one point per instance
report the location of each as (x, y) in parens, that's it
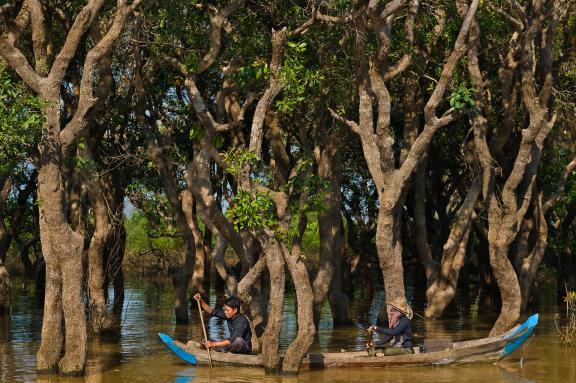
(204, 329)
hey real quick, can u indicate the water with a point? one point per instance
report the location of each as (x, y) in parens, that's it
(139, 356)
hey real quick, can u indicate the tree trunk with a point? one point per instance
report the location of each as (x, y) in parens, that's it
(389, 246)
(4, 289)
(528, 263)
(116, 248)
(5, 240)
(443, 287)
(62, 250)
(271, 337)
(329, 277)
(101, 320)
(306, 330)
(509, 288)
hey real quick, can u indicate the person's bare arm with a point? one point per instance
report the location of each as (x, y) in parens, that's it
(205, 306)
(220, 343)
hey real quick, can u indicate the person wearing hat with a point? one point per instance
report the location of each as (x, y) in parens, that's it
(399, 330)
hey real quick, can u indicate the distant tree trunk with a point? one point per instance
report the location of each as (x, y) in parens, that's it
(5, 239)
(328, 280)
(528, 260)
(101, 320)
(4, 289)
(158, 151)
(116, 248)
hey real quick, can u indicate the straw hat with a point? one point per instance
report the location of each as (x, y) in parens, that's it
(401, 306)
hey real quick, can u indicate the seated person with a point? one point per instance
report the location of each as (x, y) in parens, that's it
(238, 326)
(399, 330)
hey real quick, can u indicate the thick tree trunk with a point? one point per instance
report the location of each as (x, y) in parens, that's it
(508, 284)
(62, 250)
(306, 330)
(389, 247)
(271, 337)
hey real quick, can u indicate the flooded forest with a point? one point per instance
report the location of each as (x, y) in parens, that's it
(316, 158)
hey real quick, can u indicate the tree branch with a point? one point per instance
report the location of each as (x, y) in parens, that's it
(80, 26)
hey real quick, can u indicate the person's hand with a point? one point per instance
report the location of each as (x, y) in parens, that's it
(198, 297)
(372, 328)
(208, 344)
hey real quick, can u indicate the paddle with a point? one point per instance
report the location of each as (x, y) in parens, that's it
(204, 329)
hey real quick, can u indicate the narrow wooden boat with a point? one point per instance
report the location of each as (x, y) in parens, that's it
(491, 349)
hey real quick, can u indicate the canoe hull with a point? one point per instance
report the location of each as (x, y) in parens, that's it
(490, 349)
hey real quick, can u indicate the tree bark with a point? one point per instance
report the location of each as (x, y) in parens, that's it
(328, 280)
(443, 288)
(271, 337)
(306, 329)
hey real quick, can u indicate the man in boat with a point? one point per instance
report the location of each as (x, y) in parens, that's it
(239, 341)
(398, 332)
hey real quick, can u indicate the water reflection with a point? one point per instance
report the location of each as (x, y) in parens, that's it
(138, 356)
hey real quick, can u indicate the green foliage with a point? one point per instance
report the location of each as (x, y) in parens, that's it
(256, 71)
(296, 77)
(461, 97)
(20, 120)
(237, 159)
(304, 182)
(252, 211)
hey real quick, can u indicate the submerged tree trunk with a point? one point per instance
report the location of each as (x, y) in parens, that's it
(443, 287)
(5, 239)
(4, 289)
(328, 280)
(306, 329)
(101, 321)
(62, 251)
(271, 337)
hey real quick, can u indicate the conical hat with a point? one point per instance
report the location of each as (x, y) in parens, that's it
(401, 306)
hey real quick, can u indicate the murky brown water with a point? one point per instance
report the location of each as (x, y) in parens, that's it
(139, 356)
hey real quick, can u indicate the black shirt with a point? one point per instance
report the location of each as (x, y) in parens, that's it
(401, 333)
(237, 326)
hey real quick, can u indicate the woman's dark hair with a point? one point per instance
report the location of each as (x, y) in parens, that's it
(233, 302)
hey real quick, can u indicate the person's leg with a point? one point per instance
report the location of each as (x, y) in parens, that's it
(393, 351)
(238, 346)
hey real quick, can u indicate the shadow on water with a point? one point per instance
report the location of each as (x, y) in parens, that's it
(137, 355)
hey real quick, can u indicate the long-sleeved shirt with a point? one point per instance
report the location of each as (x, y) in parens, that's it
(238, 326)
(401, 333)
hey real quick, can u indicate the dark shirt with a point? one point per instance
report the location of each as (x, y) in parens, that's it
(239, 327)
(401, 333)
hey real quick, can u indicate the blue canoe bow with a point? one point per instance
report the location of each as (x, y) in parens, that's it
(177, 349)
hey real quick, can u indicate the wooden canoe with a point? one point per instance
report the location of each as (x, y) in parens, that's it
(490, 349)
